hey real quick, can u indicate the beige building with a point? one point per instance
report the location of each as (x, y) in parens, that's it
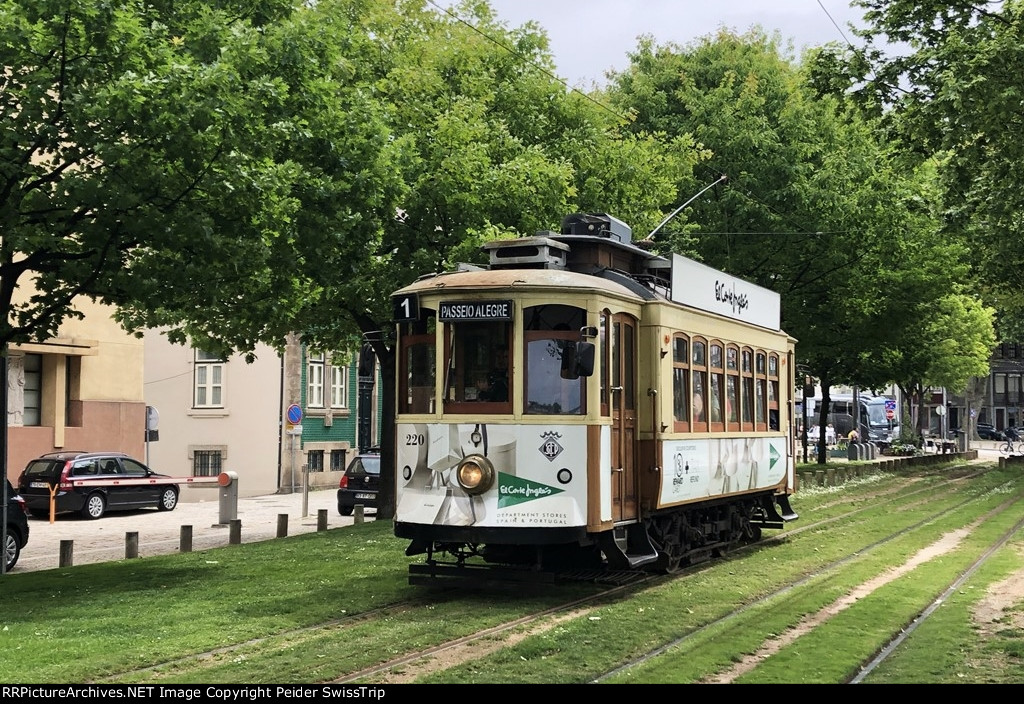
(218, 415)
(214, 415)
(81, 390)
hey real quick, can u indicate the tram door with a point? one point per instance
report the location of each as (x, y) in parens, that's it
(622, 400)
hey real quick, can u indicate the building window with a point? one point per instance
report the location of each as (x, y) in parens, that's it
(209, 380)
(315, 461)
(207, 463)
(338, 460)
(33, 389)
(339, 384)
(315, 380)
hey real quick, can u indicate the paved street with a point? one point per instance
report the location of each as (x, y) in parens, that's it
(159, 532)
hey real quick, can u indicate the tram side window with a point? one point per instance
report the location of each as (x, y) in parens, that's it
(680, 385)
(747, 390)
(700, 393)
(732, 388)
(548, 330)
(417, 371)
(717, 418)
(477, 364)
(760, 391)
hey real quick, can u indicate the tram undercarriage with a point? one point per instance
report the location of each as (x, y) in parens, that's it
(661, 542)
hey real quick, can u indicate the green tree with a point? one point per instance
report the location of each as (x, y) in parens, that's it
(493, 145)
(179, 161)
(815, 207)
(952, 343)
(953, 91)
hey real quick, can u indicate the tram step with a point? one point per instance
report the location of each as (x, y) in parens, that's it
(633, 546)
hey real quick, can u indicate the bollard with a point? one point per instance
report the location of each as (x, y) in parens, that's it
(67, 549)
(235, 532)
(321, 520)
(357, 514)
(228, 483)
(282, 525)
(185, 541)
(131, 544)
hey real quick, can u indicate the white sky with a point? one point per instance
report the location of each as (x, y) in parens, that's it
(588, 37)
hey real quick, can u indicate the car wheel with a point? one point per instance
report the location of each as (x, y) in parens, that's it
(168, 499)
(94, 506)
(345, 510)
(11, 550)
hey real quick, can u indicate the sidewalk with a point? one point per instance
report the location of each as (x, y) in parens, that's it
(159, 532)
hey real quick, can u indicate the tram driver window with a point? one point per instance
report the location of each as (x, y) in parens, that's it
(548, 331)
(477, 366)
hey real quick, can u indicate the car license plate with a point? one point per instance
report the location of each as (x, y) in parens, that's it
(366, 496)
(39, 485)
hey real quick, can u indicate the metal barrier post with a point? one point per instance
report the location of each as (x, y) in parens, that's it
(228, 482)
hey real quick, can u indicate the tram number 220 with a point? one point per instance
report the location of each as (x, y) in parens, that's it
(415, 439)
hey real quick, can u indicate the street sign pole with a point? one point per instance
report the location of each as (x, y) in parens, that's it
(294, 417)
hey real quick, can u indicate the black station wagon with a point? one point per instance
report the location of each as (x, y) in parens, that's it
(359, 483)
(93, 483)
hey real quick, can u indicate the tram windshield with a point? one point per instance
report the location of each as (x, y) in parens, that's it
(478, 374)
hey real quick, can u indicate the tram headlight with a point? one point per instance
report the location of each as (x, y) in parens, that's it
(475, 474)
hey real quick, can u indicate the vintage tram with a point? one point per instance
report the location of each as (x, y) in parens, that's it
(582, 401)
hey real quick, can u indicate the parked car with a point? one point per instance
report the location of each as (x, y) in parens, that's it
(359, 483)
(17, 527)
(93, 483)
(987, 431)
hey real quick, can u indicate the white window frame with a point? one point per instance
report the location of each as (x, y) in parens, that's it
(339, 384)
(208, 381)
(315, 364)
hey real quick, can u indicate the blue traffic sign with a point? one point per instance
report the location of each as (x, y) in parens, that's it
(294, 414)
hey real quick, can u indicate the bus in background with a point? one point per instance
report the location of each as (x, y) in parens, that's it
(875, 425)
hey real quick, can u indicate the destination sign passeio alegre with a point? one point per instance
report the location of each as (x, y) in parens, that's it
(459, 311)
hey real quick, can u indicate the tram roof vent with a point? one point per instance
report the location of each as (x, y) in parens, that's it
(527, 252)
(597, 225)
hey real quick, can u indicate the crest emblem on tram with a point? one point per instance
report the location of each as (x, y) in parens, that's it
(551, 448)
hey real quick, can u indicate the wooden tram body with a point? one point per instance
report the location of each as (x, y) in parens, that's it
(646, 418)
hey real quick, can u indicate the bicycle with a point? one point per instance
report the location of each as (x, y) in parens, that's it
(1007, 448)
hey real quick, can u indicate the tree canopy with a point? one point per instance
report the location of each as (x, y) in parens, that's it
(948, 76)
(815, 206)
